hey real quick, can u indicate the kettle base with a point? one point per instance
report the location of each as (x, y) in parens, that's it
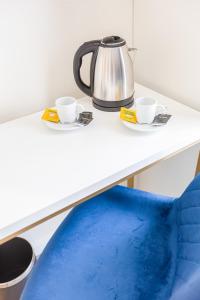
(112, 106)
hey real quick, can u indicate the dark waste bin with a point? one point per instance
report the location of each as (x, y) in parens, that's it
(16, 262)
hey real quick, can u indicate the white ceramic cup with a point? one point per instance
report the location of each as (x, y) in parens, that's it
(146, 109)
(67, 109)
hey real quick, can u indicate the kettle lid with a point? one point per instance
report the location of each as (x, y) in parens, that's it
(113, 41)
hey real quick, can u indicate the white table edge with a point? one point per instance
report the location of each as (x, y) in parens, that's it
(65, 204)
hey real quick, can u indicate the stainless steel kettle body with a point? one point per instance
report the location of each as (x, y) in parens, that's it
(111, 73)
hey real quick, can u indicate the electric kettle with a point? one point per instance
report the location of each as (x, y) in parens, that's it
(111, 73)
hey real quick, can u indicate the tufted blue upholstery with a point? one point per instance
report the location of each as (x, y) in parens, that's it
(124, 245)
(187, 275)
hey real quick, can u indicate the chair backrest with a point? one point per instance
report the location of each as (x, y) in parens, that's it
(187, 275)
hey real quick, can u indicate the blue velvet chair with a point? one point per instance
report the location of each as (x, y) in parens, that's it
(123, 245)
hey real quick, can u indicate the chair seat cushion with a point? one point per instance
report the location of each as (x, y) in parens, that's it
(117, 246)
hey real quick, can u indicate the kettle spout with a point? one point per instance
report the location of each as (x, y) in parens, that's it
(132, 49)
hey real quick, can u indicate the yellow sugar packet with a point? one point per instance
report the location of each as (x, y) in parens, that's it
(51, 115)
(128, 115)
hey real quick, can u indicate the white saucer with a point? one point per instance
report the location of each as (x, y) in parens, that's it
(68, 126)
(143, 127)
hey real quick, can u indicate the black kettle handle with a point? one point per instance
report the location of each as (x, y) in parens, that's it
(88, 47)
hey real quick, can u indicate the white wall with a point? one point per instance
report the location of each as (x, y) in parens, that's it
(167, 36)
(38, 39)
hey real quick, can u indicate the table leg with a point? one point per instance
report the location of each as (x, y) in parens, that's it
(198, 166)
(130, 182)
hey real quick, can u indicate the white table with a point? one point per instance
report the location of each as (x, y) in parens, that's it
(44, 172)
